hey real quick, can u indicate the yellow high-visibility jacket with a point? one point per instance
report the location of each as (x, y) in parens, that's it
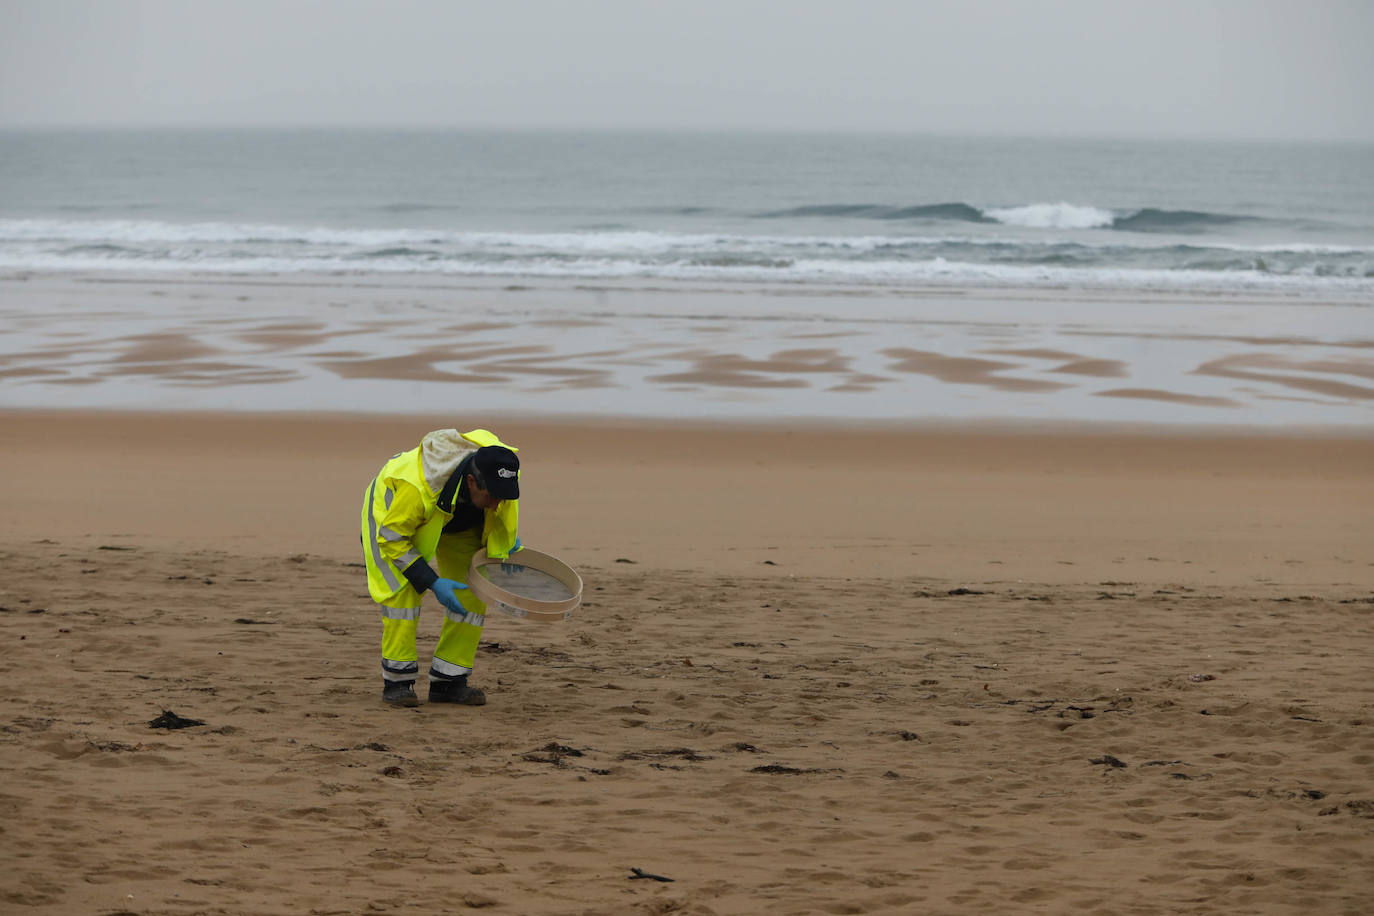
(402, 519)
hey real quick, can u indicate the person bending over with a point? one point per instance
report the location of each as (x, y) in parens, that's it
(439, 502)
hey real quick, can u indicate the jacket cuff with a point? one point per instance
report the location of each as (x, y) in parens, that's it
(420, 575)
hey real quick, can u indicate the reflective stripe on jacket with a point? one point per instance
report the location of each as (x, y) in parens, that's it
(402, 519)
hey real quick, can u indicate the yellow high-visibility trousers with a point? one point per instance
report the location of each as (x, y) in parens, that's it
(456, 652)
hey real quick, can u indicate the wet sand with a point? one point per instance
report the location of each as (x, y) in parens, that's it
(376, 344)
(818, 669)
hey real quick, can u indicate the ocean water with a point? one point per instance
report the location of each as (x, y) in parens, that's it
(711, 276)
(817, 210)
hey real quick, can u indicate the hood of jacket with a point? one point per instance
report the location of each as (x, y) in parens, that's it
(440, 454)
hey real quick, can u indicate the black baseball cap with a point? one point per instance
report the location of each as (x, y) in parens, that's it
(497, 471)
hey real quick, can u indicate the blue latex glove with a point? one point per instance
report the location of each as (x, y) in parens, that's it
(511, 569)
(446, 590)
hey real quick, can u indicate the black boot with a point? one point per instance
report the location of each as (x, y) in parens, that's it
(399, 693)
(456, 691)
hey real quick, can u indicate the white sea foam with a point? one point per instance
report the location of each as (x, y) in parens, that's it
(149, 232)
(1051, 216)
(883, 273)
(116, 232)
(1299, 248)
(942, 271)
(57, 245)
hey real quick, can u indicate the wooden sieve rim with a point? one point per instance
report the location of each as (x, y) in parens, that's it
(515, 605)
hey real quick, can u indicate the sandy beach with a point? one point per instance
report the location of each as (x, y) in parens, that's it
(962, 426)
(818, 669)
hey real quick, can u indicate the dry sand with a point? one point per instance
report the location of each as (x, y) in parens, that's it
(816, 671)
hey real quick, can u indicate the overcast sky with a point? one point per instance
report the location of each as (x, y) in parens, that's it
(1155, 68)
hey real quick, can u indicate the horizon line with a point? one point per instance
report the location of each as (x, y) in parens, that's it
(612, 129)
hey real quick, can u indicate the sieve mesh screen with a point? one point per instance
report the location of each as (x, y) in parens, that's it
(525, 582)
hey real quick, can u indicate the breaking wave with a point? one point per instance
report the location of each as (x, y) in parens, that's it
(1060, 215)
